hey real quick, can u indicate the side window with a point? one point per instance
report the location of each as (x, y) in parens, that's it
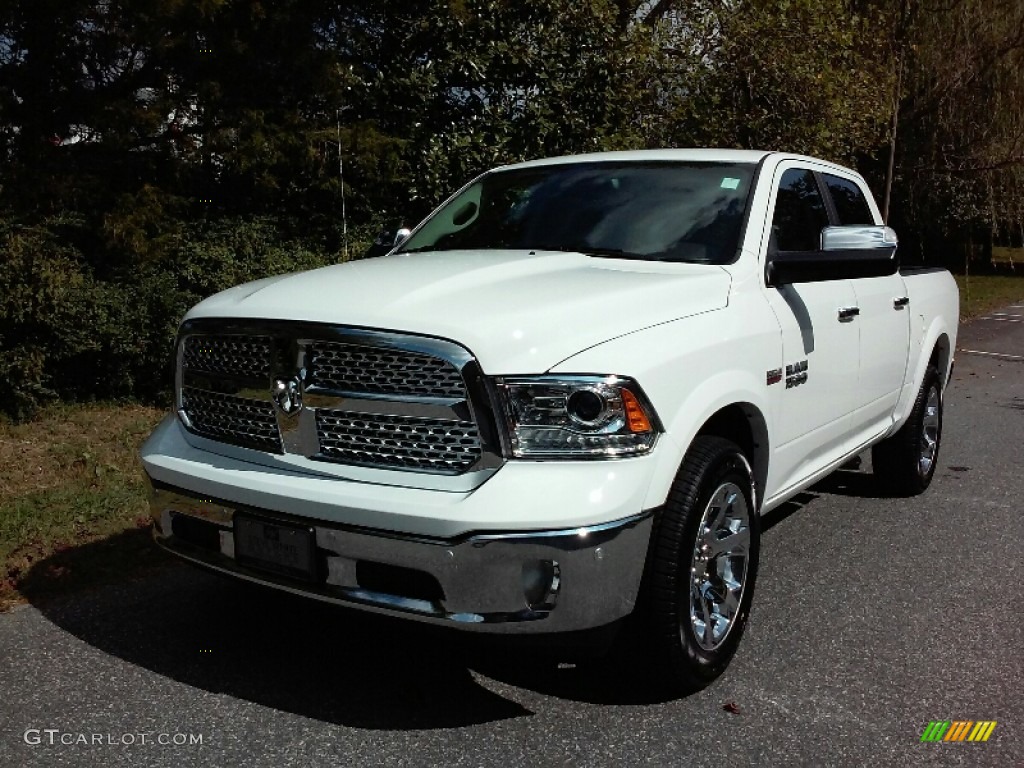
(800, 213)
(851, 204)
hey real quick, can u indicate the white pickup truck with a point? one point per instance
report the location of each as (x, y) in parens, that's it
(568, 394)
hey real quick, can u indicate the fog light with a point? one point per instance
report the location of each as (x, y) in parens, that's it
(540, 581)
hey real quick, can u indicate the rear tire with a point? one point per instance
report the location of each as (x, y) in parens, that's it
(703, 567)
(905, 463)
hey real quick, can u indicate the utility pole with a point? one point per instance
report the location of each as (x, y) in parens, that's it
(892, 143)
(341, 175)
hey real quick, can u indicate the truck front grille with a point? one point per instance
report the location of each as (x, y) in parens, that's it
(367, 398)
(228, 355)
(380, 371)
(398, 441)
(230, 419)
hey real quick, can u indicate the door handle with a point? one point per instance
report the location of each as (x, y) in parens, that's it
(901, 302)
(848, 313)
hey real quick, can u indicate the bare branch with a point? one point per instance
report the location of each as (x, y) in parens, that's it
(657, 13)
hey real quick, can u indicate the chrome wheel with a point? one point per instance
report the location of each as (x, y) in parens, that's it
(930, 424)
(719, 567)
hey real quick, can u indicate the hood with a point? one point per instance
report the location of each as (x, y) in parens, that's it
(517, 311)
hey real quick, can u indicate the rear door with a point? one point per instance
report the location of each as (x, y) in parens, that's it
(884, 319)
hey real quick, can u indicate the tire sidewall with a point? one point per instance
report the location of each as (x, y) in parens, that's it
(931, 381)
(897, 459)
(694, 666)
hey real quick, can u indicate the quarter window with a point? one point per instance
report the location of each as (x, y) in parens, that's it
(800, 213)
(850, 202)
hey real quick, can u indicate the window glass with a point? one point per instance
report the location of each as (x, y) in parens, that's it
(851, 204)
(658, 211)
(800, 213)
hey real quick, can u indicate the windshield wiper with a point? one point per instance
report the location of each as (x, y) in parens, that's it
(586, 250)
(600, 253)
(422, 249)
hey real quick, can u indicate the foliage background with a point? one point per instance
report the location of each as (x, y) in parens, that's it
(156, 151)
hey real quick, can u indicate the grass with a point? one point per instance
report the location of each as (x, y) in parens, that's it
(1012, 256)
(980, 294)
(73, 509)
(68, 478)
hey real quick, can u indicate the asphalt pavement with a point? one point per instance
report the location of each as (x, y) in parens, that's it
(872, 617)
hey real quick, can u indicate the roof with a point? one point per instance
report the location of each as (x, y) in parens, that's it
(738, 156)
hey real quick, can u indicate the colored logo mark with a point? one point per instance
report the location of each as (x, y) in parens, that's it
(958, 730)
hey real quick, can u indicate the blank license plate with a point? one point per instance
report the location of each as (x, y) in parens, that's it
(271, 546)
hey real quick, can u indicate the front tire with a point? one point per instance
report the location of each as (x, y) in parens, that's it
(704, 565)
(905, 463)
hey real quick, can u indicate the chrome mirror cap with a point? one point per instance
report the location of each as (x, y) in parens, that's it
(858, 238)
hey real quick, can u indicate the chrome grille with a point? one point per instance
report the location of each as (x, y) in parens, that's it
(228, 355)
(360, 369)
(437, 445)
(368, 398)
(231, 419)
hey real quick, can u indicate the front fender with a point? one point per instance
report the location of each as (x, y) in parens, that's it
(727, 388)
(690, 369)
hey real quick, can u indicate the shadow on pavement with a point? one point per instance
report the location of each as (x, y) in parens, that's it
(771, 519)
(314, 659)
(619, 678)
(843, 482)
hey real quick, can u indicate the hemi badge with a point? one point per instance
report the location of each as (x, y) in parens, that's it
(774, 376)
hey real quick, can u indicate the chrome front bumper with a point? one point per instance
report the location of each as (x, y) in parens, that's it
(516, 582)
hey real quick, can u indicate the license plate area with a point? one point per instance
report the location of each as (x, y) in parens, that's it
(269, 545)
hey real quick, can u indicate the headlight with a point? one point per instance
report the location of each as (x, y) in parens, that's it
(576, 416)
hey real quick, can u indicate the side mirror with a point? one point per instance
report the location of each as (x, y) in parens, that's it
(858, 238)
(386, 241)
(846, 253)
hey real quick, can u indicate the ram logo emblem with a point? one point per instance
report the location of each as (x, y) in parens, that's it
(287, 395)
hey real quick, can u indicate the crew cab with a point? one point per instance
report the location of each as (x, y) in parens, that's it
(564, 400)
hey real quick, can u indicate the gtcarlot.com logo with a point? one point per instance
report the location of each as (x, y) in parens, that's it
(958, 730)
(35, 737)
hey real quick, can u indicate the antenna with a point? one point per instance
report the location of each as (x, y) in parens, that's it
(341, 174)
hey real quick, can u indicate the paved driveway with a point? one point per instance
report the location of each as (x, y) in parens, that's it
(873, 617)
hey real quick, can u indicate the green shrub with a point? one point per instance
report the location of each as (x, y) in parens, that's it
(67, 332)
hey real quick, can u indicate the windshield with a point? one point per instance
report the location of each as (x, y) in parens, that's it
(658, 211)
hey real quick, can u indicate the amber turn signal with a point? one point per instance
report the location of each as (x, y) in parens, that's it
(635, 416)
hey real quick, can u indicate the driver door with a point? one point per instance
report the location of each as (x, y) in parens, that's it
(814, 389)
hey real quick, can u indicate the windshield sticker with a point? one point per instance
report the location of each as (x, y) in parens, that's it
(729, 183)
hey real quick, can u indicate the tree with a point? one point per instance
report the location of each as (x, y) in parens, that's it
(960, 155)
(792, 75)
(157, 150)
